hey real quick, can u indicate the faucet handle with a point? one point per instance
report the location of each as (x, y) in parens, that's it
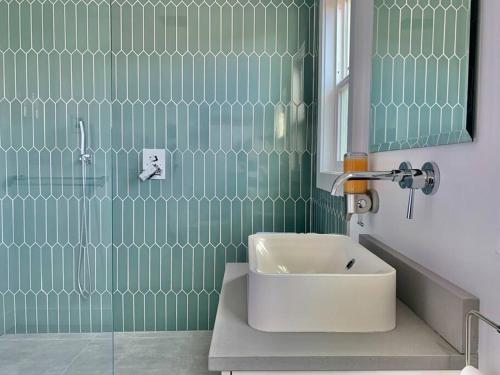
(426, 179)
(411, 201)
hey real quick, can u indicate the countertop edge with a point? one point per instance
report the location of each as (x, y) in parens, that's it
(342, 362)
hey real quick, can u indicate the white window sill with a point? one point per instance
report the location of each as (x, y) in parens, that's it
(324, 181)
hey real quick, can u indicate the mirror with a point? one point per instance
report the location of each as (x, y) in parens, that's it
(423, 69)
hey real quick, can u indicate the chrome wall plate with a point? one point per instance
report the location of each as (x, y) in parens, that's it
(433, 178)
(155, 157)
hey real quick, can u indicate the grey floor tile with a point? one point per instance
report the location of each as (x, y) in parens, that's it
(137, 353)
(37, 356)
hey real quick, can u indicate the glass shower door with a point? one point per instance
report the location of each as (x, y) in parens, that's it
(55, 188)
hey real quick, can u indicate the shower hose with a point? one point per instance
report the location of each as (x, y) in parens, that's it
(84, 276)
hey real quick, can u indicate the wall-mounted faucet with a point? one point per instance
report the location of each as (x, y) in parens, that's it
(426, 179)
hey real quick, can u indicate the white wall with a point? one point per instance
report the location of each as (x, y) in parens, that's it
(456, 233)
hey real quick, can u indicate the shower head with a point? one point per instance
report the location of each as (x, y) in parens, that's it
(84, 157)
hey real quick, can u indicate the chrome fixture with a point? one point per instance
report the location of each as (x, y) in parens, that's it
(84, 156)
(468, 332)
(426, 179)
(153, 164)
(83, 272)
(361, 204)
(149, 172)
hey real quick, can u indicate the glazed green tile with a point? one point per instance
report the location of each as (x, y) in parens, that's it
(117, 312)
(74, 313)
(101, 268)
(192, 312)
(300, 216)
(120, 270)
(274, 175)
(391, 121)
(128, 214)
(57, 271)
(402, 125)
(9, 317)
(198, 265)
(133, 269)
(424, 121)
(182, 222)
(21, 78)
(220, 261)
(4, 26)
(9, 74)
(14, 26)
(176, 268)
(139, 322)
(53, 312)
(95, 312)
(128, 312)
(204, 25)
(81, 26)
(138, 28)
(279, 215)
(31, 318)
(171, 312)
(139, 221)
(453, 81)
(213, 303)
(253, 78)
(413, 112)
(20, 312)
(209, 267)
(144, 269)
(215, 221)
(166, 264)
(187, 268)
(268, 219)
(204, 221)
(294, 175)
(226, 122)
(203, 311)
(149, 312)
(4, 269)
(160, 312)
(220, 175)
(225, 221)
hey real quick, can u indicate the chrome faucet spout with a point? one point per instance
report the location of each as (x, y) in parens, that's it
(395, 175)
(426, 179)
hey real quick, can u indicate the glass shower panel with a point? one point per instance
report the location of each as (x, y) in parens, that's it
(55, 187)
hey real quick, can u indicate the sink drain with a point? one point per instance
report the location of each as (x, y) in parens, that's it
(350, 264)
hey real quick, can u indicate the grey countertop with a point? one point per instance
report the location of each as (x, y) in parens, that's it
(413, 345)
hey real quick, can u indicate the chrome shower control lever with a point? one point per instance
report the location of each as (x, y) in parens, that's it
(153, 164)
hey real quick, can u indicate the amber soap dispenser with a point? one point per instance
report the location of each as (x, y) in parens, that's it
(355, 162)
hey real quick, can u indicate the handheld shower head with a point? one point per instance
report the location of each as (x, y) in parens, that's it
(84, 156)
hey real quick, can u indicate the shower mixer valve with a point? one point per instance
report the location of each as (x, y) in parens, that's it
(153, 164)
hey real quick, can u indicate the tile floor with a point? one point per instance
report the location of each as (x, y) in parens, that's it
(137, 353)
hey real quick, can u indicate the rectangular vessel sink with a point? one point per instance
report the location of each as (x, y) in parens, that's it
(318, 283)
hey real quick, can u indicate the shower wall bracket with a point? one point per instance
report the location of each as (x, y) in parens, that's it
(153, 159)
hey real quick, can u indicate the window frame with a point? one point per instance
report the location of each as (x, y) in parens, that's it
(329, 164)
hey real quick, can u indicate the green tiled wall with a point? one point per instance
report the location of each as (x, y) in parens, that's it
(327, 213)
(225, 87)
(420, 74)
(54, 68)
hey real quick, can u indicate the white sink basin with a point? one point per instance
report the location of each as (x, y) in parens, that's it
(303, 283)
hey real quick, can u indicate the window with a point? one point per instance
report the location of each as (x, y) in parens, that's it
(333, 135)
